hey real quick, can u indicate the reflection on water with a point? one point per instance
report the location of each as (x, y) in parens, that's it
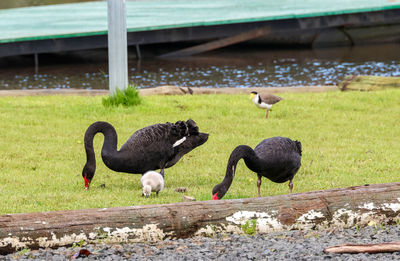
(231, 67)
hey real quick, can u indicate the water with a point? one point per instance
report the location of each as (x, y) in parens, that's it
(242, 66)
(239, 66)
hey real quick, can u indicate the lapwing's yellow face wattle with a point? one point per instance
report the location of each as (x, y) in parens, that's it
(252, 96)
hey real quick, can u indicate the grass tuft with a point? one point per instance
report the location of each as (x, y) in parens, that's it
(127, 97)
(250, 227)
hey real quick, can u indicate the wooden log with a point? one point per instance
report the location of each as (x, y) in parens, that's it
(345, 207)
(368, 83)
(364, 248)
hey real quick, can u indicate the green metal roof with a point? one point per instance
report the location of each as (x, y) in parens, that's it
(90, 18)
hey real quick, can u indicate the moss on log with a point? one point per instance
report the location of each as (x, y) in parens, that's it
(368, 83)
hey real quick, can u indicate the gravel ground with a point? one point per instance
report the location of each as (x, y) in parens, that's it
(287, 245)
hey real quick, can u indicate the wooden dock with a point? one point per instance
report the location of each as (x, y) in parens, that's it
(217, 23)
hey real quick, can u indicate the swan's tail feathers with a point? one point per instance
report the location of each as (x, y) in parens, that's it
(193, 129)
(188, 128)
(298, 145)
(180, 129)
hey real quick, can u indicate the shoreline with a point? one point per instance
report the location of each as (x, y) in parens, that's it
(171, 90)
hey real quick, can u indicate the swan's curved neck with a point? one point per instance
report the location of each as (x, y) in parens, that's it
(241, 152)
(109, 147)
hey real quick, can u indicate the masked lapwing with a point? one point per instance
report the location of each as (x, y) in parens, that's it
(265, 101)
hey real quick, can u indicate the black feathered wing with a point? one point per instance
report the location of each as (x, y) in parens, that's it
(153, 147)
(280, 158)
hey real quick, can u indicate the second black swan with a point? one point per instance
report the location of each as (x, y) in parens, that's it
(158, 146)
(277, 159)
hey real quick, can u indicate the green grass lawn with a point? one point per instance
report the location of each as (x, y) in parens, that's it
(348, 138)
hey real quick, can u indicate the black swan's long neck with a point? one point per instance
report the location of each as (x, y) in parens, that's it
(241, 152)
(109, 147)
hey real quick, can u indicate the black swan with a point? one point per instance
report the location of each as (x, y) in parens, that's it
(277, 159)
(154, 147)
(265, 101)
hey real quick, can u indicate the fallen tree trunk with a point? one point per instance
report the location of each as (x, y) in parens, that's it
(364, 248)
(312, 210)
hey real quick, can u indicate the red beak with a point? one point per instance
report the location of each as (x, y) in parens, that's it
(215, 197)
(87, 182)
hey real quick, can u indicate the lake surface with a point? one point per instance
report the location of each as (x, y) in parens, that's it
(241, 66)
